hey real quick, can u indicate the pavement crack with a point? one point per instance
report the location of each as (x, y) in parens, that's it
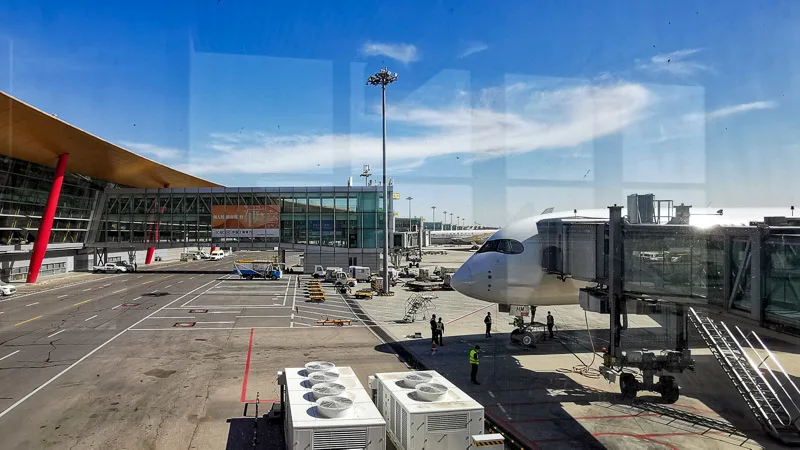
(53, 345)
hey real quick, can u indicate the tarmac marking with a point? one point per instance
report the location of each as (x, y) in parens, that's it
(18, 296)
(117, 292)
(247, 367)
(148, 282)
(10, 354)
(87, 289)
(31, 304)
(490, 394)
(469, 314)
(218, 322)
(116, 306)
(179, 282)
(57, 332)
(137, 298)
(167, 286)
(80, 303)
(172, 317)
(266, 317)
(90, 318)
(62, 296)
(96, 349)
(26, 321)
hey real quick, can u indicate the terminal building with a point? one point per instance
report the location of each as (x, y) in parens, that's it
(70, 200)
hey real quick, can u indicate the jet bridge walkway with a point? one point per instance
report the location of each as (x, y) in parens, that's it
(653, 256)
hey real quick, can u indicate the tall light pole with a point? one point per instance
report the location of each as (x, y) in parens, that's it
(433, 217)
(458, 221)
(444, 221)
(451, 221)
(382, 79)
(409, 212)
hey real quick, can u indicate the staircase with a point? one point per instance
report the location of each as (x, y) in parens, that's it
(757, 375)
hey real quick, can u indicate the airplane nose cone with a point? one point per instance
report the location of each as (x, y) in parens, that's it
(462, 280)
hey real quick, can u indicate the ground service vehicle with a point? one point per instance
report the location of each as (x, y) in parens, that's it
(109, 268)
(249, 269)
(360, 273)
(319, 272)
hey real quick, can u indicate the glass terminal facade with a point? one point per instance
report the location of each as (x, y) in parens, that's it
(24, 188)
(245, 218)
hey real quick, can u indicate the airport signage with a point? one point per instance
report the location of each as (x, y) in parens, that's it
(245, 221)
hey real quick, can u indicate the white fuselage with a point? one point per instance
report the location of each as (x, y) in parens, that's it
(509, 270)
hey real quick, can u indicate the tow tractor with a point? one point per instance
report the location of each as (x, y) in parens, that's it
(249, 269)
(525, 333)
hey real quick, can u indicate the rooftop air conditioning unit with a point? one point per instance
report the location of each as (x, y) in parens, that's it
(328, 408)
(425, 410)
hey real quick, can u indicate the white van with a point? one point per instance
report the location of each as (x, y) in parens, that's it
(216, 255)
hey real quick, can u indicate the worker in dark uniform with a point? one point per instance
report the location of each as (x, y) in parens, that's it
(473, 363)
(550, 323)
(440, 332)
(434, 339)
(488, 321)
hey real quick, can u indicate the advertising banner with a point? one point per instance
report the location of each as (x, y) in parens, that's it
(245, 221)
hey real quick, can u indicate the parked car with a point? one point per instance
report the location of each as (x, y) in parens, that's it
(7, 289)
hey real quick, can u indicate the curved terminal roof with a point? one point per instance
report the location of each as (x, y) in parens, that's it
(32, 135)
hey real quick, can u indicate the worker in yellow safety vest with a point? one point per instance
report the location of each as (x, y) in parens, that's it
(473, 362)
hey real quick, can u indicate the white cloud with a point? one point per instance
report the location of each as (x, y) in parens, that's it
(676, 63)
(405, 53)
(156, 151)
(473, 47)
(551, 119)
(729, 111)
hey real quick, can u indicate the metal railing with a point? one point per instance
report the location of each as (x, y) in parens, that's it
(789, 394)
(749, 375)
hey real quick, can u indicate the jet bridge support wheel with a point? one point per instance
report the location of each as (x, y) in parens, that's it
(670, 392)
(628, 385)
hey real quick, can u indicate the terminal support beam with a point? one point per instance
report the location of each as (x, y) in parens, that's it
(46, 224)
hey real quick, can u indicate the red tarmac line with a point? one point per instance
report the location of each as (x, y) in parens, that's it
(247, 367)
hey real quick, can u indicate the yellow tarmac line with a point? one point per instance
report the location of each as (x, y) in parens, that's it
(26, 321)
(148, 282)
(117, 292)
(80, 303)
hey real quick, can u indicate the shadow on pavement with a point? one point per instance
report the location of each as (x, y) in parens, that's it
(244, 433)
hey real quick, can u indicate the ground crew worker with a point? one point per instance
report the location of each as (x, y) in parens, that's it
(550, 323)
(473, 363)
(440, 331)
(488, 321)
(433, 329)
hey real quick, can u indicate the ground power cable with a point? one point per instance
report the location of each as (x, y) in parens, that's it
(583, 369)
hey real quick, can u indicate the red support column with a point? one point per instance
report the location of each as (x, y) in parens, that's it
(46, 225)
(149, 258)
(151, 250)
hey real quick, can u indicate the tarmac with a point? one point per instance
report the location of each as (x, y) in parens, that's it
(176, 355)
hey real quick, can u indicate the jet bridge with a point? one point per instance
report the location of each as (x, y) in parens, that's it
(653, 258)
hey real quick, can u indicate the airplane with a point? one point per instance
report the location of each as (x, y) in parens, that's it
(507, 268)
(461, 236)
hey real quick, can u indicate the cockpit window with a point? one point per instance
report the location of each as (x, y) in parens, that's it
(505, 246)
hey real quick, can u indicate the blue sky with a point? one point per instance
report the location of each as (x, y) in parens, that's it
(501, 110)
